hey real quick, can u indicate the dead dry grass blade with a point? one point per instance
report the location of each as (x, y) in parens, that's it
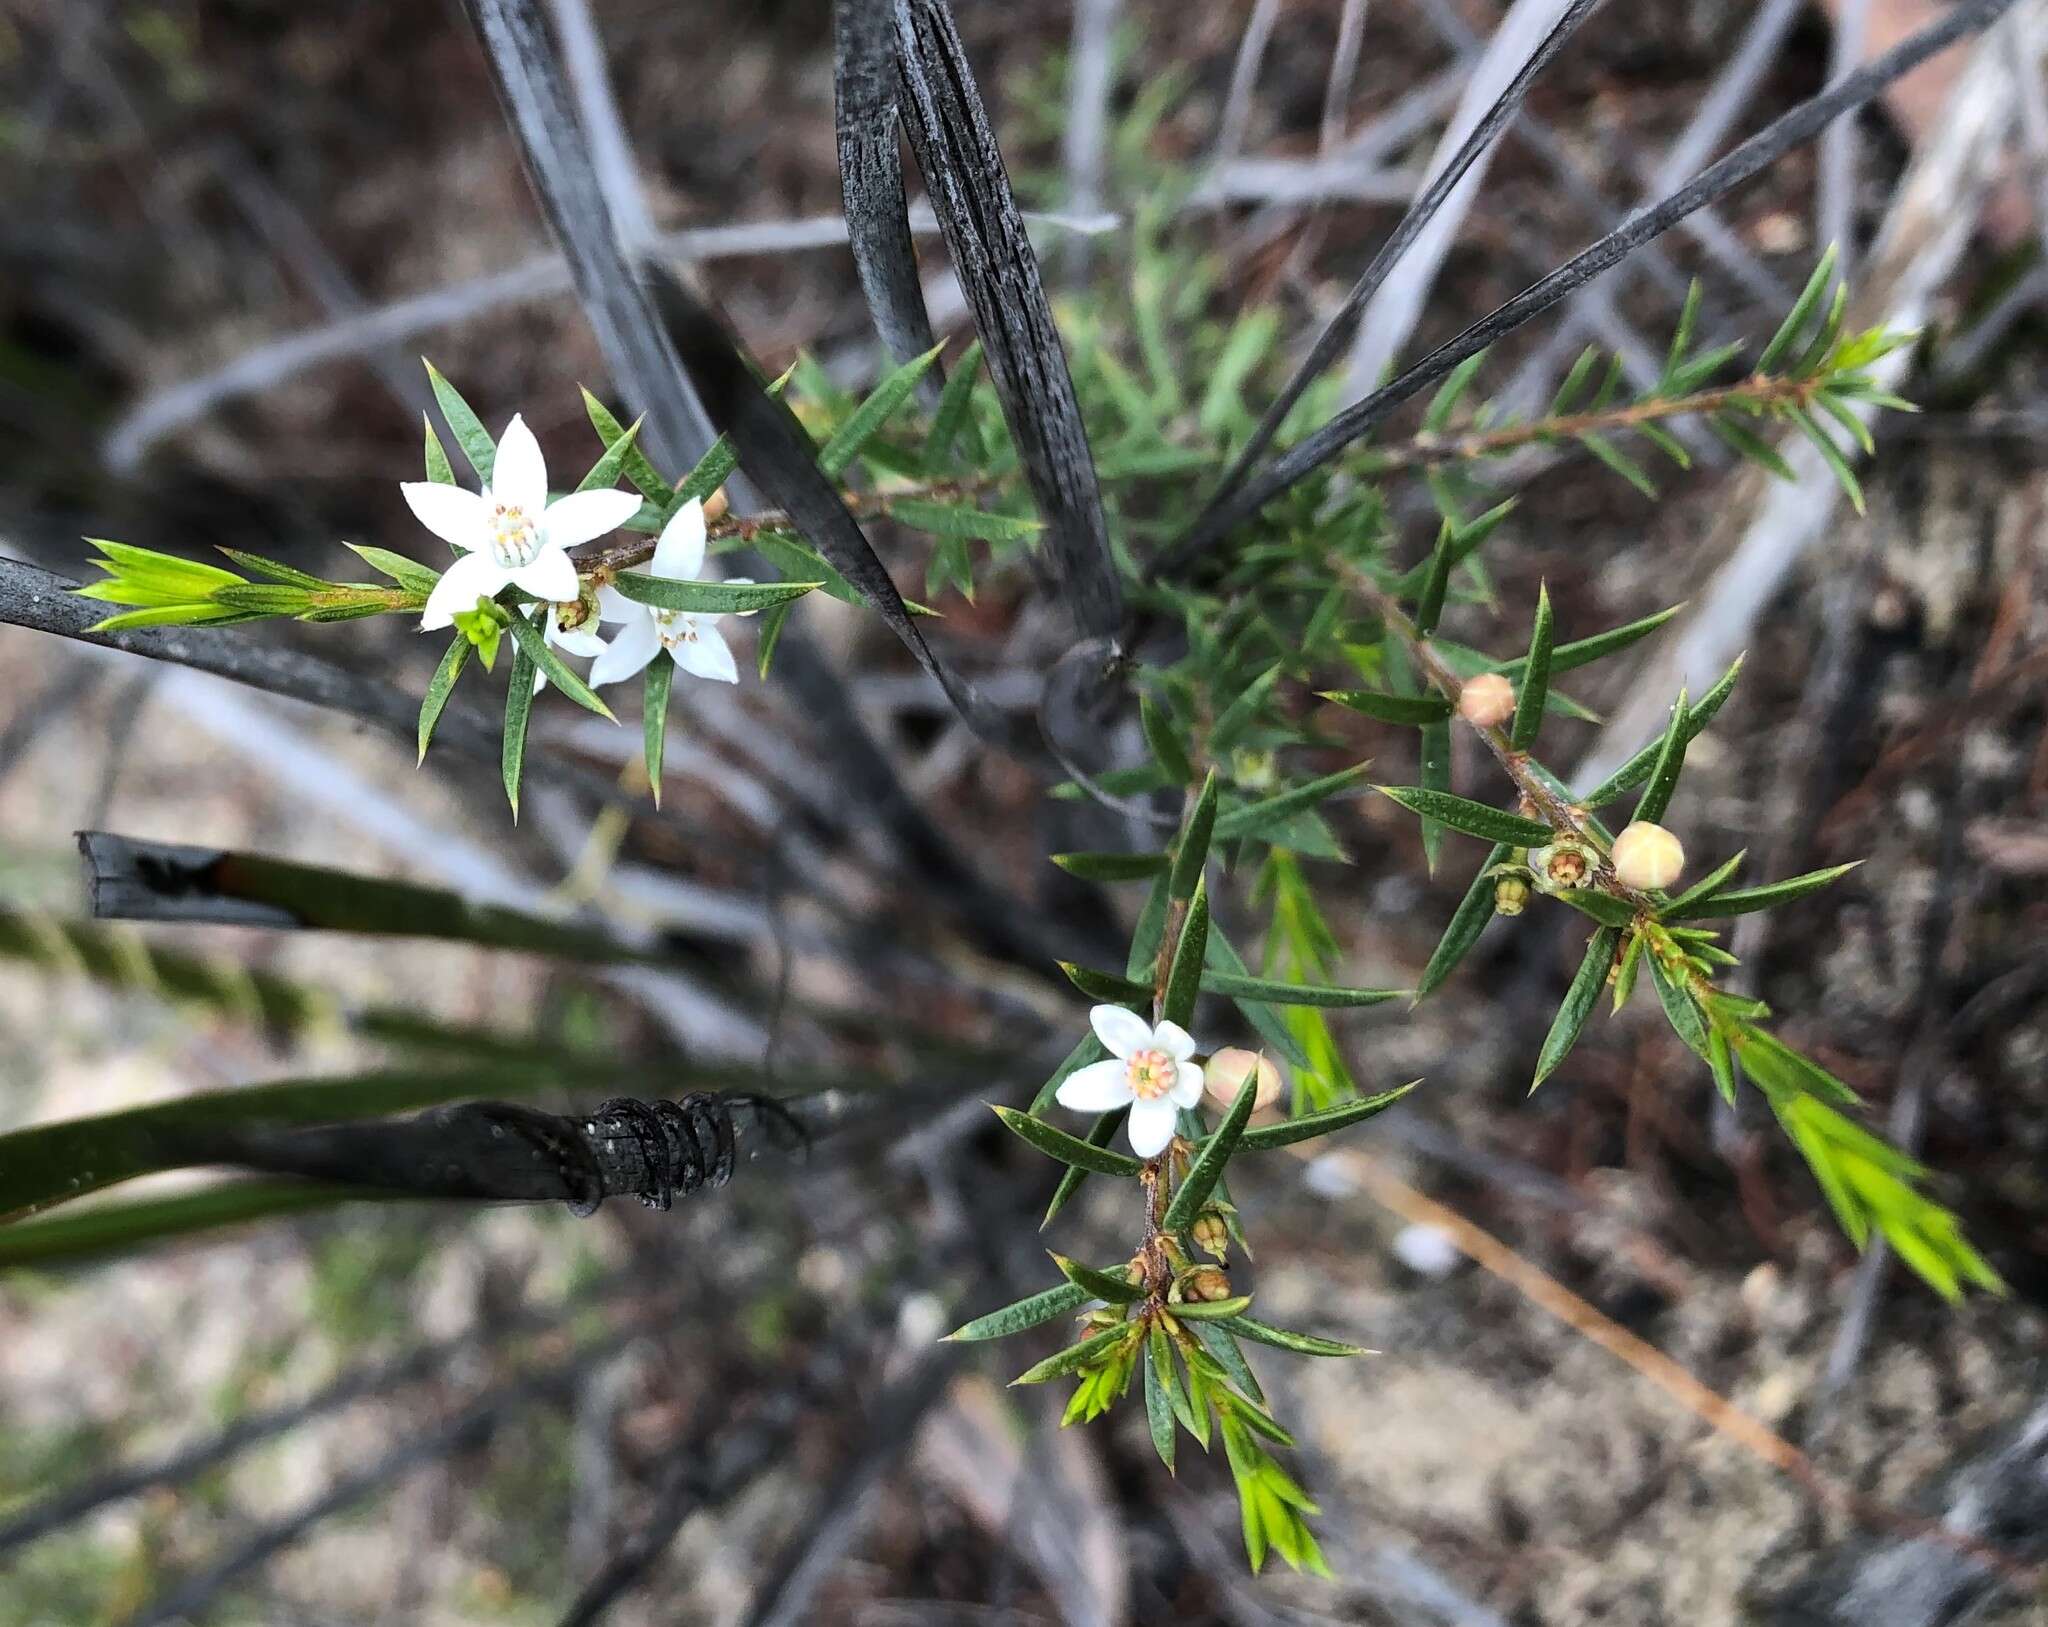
(970, 191)
(871, 181)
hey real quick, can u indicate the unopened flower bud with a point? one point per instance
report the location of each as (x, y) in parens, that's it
(1211, 1233)
(1647, 856)
(1207, 1283)
(715, 506)
(1230, 1067)
(1487, 701)
(1510, 895)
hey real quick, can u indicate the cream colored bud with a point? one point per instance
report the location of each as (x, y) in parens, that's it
(1486, 701)
(1211, 1233)
(1647, 856)
(1511, 895)
(715, 506)
(1226, 1070)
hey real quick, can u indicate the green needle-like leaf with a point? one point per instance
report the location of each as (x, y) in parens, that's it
(1579, 1001)
(1184, 980)
(1056, 1143)
(1216, 1152)
(660, 677)
(1670, 762)
(1112, 866)
(1473, 818)
(1191, 852)
(1468, 920)
(1076, 1356)
(1111, 1287)
(518, 710)
(1534, 687)
(1025, 1313)
(1259, 816)
(1409, 709)
(1705, 887)
(1311, 1125)
(1747, 900)
(440, 687)
(868, 418)
(708, 598)
(470, 434)
(1158, 1400)
(1302, 1344)
(1294, 994)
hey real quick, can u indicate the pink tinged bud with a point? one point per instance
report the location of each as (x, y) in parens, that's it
(1228, 1069)
(1647, 856)
(1487, 701)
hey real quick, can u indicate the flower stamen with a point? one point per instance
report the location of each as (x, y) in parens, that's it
(1151, 1074)
(515, 540)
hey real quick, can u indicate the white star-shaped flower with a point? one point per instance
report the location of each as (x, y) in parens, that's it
(509, 534)
(1150, 1070)
(692, 640)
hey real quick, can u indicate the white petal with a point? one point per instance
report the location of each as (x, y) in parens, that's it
(612, 605)
(519, 478)
(1122, 1031)
(1096, 1088)
(1150, 1127)
(636, 645)
(707, 655)
(583, 515)
(679, 555)
(453, 513)
(581, 641)
(1187, 1088)
(540, 680)
(1174, 1040)
(470, 578)
(551, 576)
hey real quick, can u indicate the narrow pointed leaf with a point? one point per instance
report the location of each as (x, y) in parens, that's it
(1111, 1287)
(1747, 900)
(1311, 1125)
(518, 711)
(1467, 921)
(1295, 994)
(1261, 816)
(660, 678)
(1473, 818)
(1579, 1001)
(1075, 1356)
(1184, 980)
(1056, 1143)
(708, 598)
(1207, 1168)
(1534, 686)
(872, 414)
(1100, 1134)
(1191, 852)
(1112, 866)
(1158, 1401)
(1025, 1313)
(1302, 1344)
(1639, 767)
(440, 687)
(1410, 709)
(470, 434)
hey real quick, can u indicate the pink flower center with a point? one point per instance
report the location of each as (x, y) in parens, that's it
(515, 539)
(1151, 1074)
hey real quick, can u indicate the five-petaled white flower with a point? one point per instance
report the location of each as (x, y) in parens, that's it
(692, 640)
(509, 534)
(1150, 1068)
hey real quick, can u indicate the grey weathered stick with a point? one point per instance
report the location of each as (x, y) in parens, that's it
(970, 191)
(871, 180)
